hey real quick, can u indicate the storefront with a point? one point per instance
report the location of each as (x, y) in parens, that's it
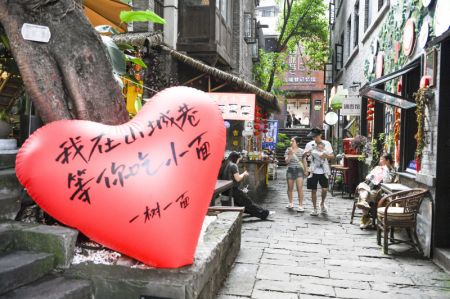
(247, 112)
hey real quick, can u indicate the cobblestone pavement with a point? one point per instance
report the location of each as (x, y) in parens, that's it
(300, 256)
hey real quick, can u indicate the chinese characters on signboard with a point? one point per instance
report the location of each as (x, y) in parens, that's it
(301, 79)
(270, 138)
(351, 106)
(235, 106)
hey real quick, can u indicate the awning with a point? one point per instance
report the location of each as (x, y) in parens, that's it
(371, 90)
(386, 97)
(265, 99)
(105, 12)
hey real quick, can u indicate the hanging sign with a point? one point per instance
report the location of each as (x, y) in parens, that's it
(351, 106)
(35, 33)
(235, 106)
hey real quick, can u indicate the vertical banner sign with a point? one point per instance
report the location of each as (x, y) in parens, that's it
(142, 188)
(271, 137)
(235, 106)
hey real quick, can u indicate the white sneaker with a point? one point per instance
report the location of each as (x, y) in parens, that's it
(271, 213)
(290, 206)
(314, 213)
(300, 209)
(324, 210)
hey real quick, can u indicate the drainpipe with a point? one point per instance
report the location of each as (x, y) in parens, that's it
(171, 27)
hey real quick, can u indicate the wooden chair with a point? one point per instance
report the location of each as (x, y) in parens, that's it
(399, 210)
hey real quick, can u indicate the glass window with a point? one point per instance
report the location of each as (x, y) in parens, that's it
(356, 25)
(348, 44)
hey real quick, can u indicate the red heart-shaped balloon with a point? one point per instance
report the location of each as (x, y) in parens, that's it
(142, 188)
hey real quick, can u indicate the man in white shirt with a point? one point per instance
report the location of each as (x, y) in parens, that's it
(318, 175)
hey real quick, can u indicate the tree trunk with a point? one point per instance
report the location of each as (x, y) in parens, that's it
(70, 76)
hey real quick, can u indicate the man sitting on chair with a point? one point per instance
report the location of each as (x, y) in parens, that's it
(369, 189)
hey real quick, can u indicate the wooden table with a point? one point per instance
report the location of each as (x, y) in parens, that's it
(222, 185)
(392, 188)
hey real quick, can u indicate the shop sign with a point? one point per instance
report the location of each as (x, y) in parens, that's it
(271, 137)
(235, 106)
(301, 79)
(351, 106)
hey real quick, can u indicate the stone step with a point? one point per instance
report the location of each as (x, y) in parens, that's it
(9, 205)
(22, 267)
(54, 239)
(53, 287)
(9, 181)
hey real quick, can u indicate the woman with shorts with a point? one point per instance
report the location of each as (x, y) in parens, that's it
(296, 171)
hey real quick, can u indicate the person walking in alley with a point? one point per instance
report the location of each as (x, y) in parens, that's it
(288, 120)
(296, 171)
(230, 171)
(318, 175)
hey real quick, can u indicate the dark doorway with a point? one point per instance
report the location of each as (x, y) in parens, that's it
(442, 199)
(409, 119)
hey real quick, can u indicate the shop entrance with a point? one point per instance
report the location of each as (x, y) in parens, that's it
(442, 202)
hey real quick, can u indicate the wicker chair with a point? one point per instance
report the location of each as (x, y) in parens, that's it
(399, 210)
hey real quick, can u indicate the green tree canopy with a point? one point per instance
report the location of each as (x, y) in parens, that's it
(302, 22)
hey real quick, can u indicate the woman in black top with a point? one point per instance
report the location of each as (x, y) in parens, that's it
(230, 171)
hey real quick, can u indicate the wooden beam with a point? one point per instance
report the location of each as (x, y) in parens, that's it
(193, 79)
(219, 87)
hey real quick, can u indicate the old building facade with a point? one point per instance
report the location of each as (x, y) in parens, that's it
(386, 51)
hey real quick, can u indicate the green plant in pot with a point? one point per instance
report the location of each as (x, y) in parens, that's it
(5, 126)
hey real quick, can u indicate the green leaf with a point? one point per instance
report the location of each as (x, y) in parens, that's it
(124, 47)
(106, 29)
(126, 1)
(116, 56)
(5, 41)
(138, 104)
(135, 60)
(141, 16)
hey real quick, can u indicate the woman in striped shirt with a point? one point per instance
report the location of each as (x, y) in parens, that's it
(297, 170)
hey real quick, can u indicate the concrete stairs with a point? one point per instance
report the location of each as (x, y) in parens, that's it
(291, 133)
(33, 255)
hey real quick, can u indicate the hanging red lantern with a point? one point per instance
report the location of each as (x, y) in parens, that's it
(370, 117)
(265, 131)
(370, 112)
(371, 106)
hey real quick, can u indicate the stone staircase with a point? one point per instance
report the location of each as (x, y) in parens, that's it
(291, 133)
(32, 256)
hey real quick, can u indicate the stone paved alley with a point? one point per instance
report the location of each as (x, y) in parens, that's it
(299, 256)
